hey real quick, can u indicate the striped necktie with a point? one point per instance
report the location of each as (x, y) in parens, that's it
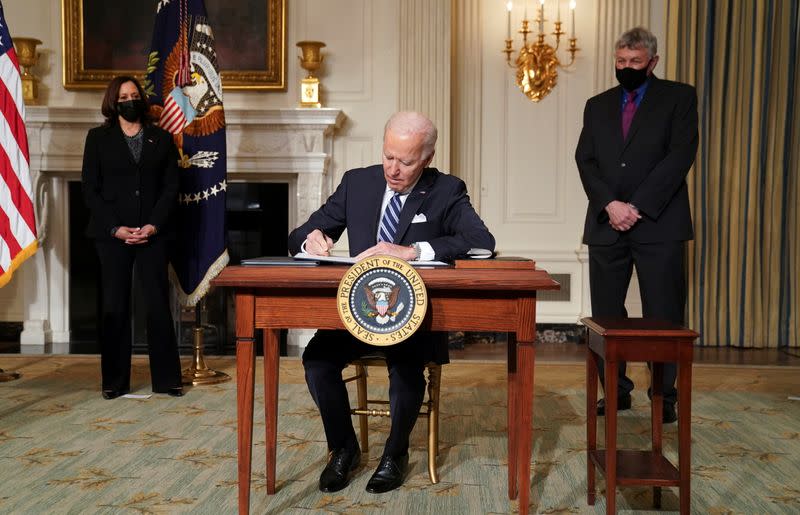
(390, 220)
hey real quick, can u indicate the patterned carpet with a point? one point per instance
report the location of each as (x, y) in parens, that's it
(63, 449)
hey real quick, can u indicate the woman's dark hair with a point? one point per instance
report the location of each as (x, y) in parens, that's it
(109, 105)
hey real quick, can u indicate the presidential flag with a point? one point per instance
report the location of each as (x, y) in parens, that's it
(184, 88)
(17, 220)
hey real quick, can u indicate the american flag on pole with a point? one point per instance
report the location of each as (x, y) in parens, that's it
(17, 220)
(185, 92)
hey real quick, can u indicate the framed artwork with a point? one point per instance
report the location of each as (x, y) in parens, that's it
(103, 39)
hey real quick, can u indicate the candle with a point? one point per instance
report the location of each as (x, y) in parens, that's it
(572, 18)
(541, 16)
(508, 28)
(558, 10)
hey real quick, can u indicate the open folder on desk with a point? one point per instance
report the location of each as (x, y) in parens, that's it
(276, 261)
(345, 260)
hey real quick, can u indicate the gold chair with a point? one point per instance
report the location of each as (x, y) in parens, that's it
(430, 408)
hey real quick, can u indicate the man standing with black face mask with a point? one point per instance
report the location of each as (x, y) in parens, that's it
(638, 142)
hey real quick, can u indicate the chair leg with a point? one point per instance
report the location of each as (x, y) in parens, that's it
(361, 389)
(434, 380)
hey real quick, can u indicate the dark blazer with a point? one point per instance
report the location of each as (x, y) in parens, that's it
(648, 169)
(120, 191)
(452, 226)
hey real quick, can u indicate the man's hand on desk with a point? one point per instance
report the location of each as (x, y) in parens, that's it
(400, 251)
(318, 243)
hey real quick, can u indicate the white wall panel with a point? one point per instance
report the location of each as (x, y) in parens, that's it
(532, 177)
(347, 69)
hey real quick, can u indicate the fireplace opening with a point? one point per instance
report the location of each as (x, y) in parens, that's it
(84, 278)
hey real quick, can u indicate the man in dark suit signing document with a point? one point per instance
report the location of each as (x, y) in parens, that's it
(403, 209)
(638, 142)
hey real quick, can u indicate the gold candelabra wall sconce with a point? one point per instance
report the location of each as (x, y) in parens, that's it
(310, 61)
(537, 62)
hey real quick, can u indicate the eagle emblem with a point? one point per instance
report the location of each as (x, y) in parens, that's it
(382, 295)
(194, 109)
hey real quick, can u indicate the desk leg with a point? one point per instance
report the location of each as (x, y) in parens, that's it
(525, 359)
(611, 435)
(245, 384)
(513, 410)
(685, 432)
(591, 423)
(271, 373)
(656, 418)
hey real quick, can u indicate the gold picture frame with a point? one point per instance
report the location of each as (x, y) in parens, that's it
(117, 35)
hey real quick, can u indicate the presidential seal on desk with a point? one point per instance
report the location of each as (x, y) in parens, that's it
(382, 300)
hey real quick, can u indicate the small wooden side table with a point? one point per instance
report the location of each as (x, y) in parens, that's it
(638, 339)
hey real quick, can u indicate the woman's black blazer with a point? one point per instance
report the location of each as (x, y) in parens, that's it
(120, 191)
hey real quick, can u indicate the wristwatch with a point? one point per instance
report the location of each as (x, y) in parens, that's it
(417, 251)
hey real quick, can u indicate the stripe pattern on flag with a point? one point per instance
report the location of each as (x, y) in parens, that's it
(17, 215)
(178, 112)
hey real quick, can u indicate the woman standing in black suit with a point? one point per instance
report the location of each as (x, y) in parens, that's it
(130, 184)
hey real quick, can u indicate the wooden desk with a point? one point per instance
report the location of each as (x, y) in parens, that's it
(273, 298)
(638, 339)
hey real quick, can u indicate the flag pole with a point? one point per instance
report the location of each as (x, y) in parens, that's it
(199, 373)
(8, 376)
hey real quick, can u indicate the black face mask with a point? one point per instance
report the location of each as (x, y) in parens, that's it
(131, 110)
(631, 78)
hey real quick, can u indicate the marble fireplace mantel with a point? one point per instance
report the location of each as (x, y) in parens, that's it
(293, 146)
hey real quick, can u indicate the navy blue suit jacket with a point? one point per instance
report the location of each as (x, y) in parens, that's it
(452, 226)
(648, 169)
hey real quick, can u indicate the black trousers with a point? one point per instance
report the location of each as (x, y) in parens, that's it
(118, 262)
(662, 285)
(329, 352)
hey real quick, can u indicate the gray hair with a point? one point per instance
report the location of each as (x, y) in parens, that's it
(636, 38)
(411, 122)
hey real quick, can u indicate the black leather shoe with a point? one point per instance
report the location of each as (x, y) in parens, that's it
(669, 415)
(390, 474)
(175, 392)
(623, 403)
(111, 394)
(336, 474)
